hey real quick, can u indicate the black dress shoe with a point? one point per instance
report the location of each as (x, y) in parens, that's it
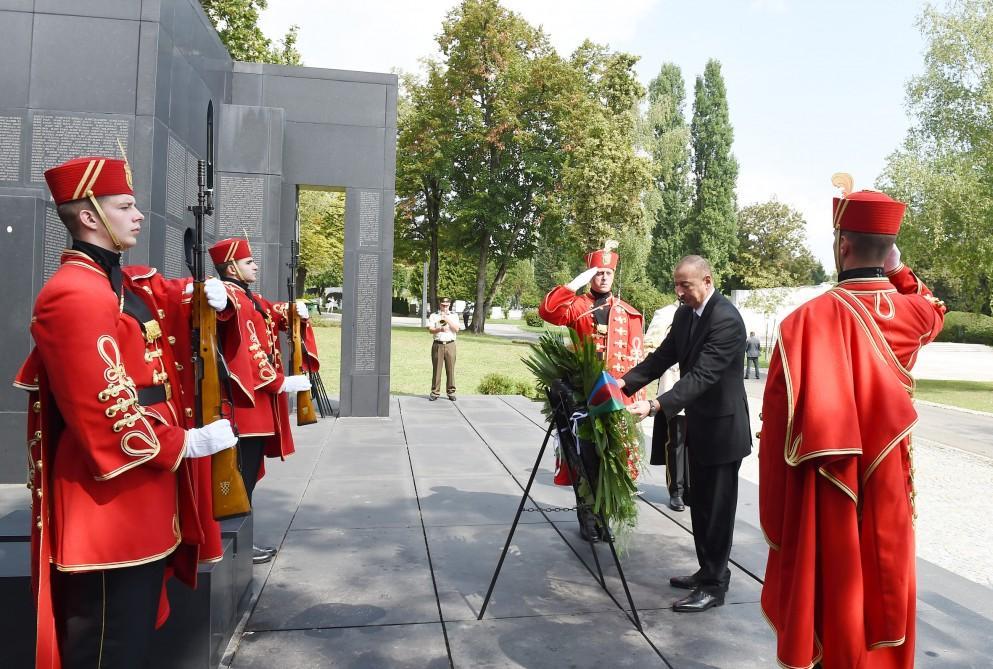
(588, 530)
(698, 600)
(432, 398)
(589, 533)
(690, 582)
(452, 397)
(262, 555)
(676, 503)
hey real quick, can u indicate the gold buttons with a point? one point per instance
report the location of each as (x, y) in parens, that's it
(37, 407)
(171, 339)
(38, 524)
(179, 367)
(161, 314)
(37, 464)
(38, 492)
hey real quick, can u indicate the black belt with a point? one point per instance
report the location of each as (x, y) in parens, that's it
(151, 395)
(444, 342)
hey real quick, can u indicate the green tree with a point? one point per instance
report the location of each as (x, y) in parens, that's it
(711, 231)
(944, 170)
(237, 23)
(424, 162)
(506, 86)
(519, 288)
(603, 177)
(666, 138)
(772, 249)
(322, 239)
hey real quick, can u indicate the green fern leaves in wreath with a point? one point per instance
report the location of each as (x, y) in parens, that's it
(617, 436)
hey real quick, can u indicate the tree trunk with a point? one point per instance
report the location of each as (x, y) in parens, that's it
(433, 269)
(481, 309)
(497, 281)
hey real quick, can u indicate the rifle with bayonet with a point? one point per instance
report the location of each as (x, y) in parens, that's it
(305, 402)
(230, 498)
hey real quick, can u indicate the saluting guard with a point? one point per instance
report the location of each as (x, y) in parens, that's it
(836, 474)
(615, 326)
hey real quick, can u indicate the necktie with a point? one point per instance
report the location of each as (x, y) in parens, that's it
(693, 324)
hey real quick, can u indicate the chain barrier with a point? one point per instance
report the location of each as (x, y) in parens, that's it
(550, 509)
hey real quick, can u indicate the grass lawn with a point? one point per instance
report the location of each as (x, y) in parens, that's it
(410, 368)
(977, 395)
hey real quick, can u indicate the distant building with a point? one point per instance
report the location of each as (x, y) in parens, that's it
(764, 309)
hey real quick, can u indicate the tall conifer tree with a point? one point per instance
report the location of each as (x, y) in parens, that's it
(667, 140)
(712, 231)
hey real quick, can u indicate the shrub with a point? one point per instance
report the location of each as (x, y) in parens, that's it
(501, 384)
(528, 390)
(645, 297)
(532, 318)
(967, 328)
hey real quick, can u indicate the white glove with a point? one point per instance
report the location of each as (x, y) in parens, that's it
(217, 295)
(302, 311)
(295, 384)
(892, 260)
(582, 279)
(209, 439)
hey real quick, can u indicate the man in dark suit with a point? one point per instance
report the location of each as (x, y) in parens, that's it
(707, 339)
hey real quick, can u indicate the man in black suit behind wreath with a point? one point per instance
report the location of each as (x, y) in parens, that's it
(707, 339)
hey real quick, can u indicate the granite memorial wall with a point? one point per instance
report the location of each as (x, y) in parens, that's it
(105, 76)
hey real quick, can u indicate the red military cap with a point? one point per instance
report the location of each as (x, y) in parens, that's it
(606, 257)
(227, 250)
(94, 176)
(868, 211)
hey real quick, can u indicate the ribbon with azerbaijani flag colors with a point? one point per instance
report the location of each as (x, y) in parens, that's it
(606, 396)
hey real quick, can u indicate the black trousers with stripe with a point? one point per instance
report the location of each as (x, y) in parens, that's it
(105, 619)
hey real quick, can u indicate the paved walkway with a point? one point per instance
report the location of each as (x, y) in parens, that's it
(390, 530)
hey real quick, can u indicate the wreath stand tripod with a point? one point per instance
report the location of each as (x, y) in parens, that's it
(558, 398)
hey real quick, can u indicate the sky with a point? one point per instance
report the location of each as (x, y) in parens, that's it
(813, 87)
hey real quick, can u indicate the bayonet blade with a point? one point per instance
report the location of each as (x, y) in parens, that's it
(210, 145)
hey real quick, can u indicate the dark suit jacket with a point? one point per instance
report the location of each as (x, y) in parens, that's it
(710, 388)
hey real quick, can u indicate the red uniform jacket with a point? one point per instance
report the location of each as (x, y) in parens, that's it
(251, 348)
(620, 346)
(111, 487)
(836, 476)
(281, 322)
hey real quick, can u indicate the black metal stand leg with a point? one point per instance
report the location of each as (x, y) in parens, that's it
(613, 550)
(624, 582)
(580, 503)
(517, 518)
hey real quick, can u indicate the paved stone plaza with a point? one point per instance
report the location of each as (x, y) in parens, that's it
(390, 529)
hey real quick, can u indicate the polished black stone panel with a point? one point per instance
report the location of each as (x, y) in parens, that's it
(278, 128)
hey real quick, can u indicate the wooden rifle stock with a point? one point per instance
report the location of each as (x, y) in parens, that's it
(305, 402)
(230, 498)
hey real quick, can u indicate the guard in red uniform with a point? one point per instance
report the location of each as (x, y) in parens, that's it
(251, 347)
(836, 486)
(615, 326)
(113, 496)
